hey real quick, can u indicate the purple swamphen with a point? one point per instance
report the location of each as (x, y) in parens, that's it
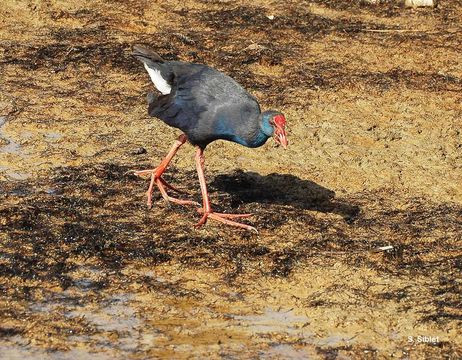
(206, 105)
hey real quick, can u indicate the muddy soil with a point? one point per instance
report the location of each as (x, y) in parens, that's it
(359, 251)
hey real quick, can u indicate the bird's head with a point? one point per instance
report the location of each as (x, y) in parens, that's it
(274, 124)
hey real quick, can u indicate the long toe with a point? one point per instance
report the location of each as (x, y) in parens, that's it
(173, 188)
(161, 183)
(182, 202)
(225, 215)
(224, 218)
(144, 173)
(233, 216)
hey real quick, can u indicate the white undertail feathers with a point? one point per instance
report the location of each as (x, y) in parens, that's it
(158, 80)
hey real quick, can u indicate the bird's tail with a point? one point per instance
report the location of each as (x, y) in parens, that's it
(144, 53)
(158, 70)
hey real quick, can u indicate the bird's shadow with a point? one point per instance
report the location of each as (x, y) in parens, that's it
(283, 189)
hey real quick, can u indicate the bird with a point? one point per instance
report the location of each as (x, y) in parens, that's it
(206, 105)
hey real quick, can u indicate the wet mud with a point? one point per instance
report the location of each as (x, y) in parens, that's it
(360, 222)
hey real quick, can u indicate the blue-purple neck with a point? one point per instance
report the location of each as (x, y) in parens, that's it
(259, 139)
(264, 131)
(256, 137)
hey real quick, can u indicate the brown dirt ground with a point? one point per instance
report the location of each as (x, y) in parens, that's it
(373, 97)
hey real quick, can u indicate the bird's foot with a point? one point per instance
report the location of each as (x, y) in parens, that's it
(156, 179)
(225, 219)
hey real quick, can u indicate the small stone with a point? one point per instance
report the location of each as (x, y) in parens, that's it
(256, 47)
(419, 3)
(138, 151)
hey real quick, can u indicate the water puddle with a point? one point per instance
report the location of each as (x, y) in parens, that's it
(10, 147)
(272, 321)
(297, 326)
(117, 316)
(12, 352)
(288, 351)
(53, 191)
(13, 175)
(87, 278)
(53, 136)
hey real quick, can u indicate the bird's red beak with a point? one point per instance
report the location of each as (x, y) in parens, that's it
(280, 135)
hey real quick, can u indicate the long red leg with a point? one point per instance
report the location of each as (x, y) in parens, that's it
(206, 209)
(156, 176)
